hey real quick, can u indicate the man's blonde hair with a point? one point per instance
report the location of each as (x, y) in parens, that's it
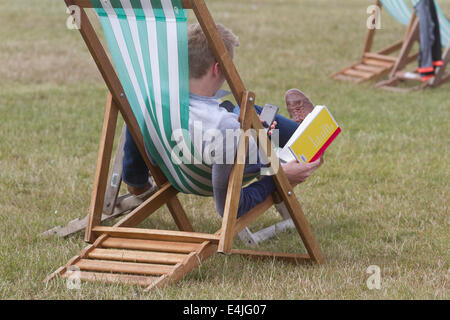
(201, 56)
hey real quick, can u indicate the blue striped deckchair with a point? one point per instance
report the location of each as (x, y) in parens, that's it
(148, 85)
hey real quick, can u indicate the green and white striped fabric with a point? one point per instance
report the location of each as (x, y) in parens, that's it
(398, 9)
(444, 24)
(149, 46)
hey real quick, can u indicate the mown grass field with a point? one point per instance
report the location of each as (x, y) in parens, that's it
(381, 198)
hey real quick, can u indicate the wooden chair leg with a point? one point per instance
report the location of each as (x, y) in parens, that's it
(232, 202)
(236, 176)
(115, 180)
(286, 193)
(179, 215)
(411, 37)
(113, 204)
(441, 76)
(101, 189)
(299, 219)
(158, 199)
(103, 161)
(370, 35)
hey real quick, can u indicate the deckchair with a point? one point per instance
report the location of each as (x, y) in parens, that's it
(115, 206)
(149, 87)
(398, 74)
(375, 65)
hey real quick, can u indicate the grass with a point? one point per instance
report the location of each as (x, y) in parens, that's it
(380, 199)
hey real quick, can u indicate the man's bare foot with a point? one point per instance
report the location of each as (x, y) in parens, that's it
(298, 105)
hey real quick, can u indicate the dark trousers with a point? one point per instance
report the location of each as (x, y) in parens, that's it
(430, 38)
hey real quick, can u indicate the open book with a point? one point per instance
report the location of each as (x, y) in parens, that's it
(311, 138)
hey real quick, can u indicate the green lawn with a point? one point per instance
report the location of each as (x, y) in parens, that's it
(381, 198)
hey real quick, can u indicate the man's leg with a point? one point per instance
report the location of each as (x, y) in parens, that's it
(423, 11)
(437, 48)
(135, 172)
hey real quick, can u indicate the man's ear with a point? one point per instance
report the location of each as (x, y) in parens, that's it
(217, 71)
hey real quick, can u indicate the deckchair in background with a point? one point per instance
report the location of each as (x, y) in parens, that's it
(398, 73)
(375, 65)
(149, 87)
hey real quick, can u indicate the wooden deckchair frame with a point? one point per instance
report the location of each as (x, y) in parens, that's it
(442, 75)
(375, 65)
(397, 74)
(222, 240)
(365, 69)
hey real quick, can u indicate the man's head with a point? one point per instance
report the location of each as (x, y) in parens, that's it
(202, 62)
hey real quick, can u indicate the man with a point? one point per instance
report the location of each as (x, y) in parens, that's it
(205, 111)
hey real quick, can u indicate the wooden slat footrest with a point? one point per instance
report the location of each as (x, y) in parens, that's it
(147, 258)
(143, 281)
(151, 234)
(358, 73)
(378, 56)
(123, 267)
(368, 69)
(380, 63)
(150, 245)
(137, 256)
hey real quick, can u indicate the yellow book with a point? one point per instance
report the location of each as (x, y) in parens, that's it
(312, 137)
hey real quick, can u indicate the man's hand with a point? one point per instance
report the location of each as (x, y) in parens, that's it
(298, 172)
(272, 127)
